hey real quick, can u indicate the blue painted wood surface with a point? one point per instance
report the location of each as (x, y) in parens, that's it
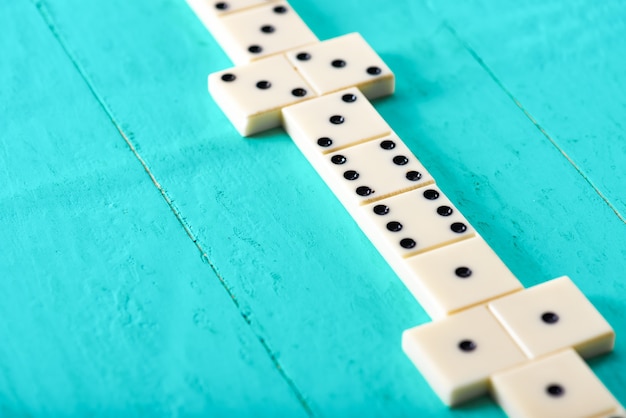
(155, 263)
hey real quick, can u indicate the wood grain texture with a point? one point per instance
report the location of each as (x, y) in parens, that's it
(566, 73)
(221, 277)
(107, 308)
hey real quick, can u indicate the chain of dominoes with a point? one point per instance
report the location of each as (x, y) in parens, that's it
(524, 346)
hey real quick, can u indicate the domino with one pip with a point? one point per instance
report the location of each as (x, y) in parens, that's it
(210, 11)
(560, 385)
(553, 316)
(457, 355)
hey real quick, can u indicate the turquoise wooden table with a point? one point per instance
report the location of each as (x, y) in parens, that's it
(155, 263)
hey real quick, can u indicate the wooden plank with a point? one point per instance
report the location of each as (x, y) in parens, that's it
(107, 307)
(306, 278)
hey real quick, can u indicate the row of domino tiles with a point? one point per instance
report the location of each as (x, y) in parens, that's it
(488, 333)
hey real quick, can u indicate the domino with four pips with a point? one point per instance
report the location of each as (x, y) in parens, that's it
(489, 335)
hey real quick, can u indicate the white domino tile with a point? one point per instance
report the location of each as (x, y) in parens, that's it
(560, 385)
(373, 170)
(262, 31)
(417, 221)
(342, 62)
(458, 276)
(458, 354)
(210, 11)
(553, 316)
(333, 122)
(253, 95)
